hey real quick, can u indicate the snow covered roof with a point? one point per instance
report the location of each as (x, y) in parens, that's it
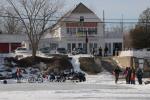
(9, 38)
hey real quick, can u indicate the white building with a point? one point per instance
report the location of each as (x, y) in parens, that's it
(113, 40)
(71, 33)
(79, 28)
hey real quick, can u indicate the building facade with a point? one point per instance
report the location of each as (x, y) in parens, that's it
(9, 42)
(114, 41)
(80, 28)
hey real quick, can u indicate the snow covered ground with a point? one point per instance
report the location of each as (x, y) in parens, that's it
(97, 87)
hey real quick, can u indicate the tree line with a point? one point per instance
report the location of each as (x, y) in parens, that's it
(139, 37)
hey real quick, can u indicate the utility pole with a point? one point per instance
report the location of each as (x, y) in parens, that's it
(103, 23)
(122, 31)
(122, 23)
(86, 35)
(103, 29)
(146, 24)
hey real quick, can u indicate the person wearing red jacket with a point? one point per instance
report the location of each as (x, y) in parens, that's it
(132, 78)
(18, 73)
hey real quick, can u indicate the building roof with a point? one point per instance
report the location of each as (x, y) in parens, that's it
(15, 38)
(81, 8)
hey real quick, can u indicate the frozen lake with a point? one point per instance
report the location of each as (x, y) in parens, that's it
(97, 87)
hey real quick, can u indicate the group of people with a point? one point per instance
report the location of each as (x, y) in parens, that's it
(104, 52)
(130, 75)
(100, 51)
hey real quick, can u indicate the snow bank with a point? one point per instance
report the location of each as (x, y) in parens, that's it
(75, 62)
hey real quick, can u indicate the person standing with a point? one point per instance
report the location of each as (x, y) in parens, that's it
(117, 71)
(114, 50)
(132, 76)
(18, 73)
(105, 51)
(125, 74)
(129, 75)
(100, 51)
(117, 51)
(93, 51)
(139, 74)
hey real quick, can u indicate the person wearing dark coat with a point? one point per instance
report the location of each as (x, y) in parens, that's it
(100, 51)
(114, 50)
(93, 51)
(117, 71)
(129, 76)
(106, 51)
(139, 74)
(126, 74)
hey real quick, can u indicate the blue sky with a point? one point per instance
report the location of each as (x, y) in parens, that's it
(130, 9)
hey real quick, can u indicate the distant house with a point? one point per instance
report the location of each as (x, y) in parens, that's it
(8, 42)
(80, 28)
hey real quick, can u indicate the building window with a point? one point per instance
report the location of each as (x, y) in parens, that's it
(95, 45)
(90, 46)
(117, 46)
(71, 30)
(53, 46)
(92, 31)
(84, 46)
(81, 18)
(69, 47)
(73, 45)
(109, 47)
(80, 31)
(79, 45)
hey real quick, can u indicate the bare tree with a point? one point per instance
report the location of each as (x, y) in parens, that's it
(11, 25)
(140, 35)
(35, 16)
(1, 12)
(144, 17)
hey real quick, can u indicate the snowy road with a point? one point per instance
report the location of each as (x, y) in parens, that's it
(97, 87)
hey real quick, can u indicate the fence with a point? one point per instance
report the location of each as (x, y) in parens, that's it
(138, 53)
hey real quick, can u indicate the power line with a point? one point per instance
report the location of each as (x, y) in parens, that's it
(125, 21)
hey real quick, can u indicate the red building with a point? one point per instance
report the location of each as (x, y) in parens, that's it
(8, 42)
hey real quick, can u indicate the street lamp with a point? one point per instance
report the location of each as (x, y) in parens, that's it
(86, 41)
(86, 37)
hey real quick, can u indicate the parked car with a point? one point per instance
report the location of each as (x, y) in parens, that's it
(21, 50)
(45, 50)
(61, 51)
(48, 50)
(78, 51)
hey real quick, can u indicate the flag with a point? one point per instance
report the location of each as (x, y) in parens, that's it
(80, 33)
(86, 38)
